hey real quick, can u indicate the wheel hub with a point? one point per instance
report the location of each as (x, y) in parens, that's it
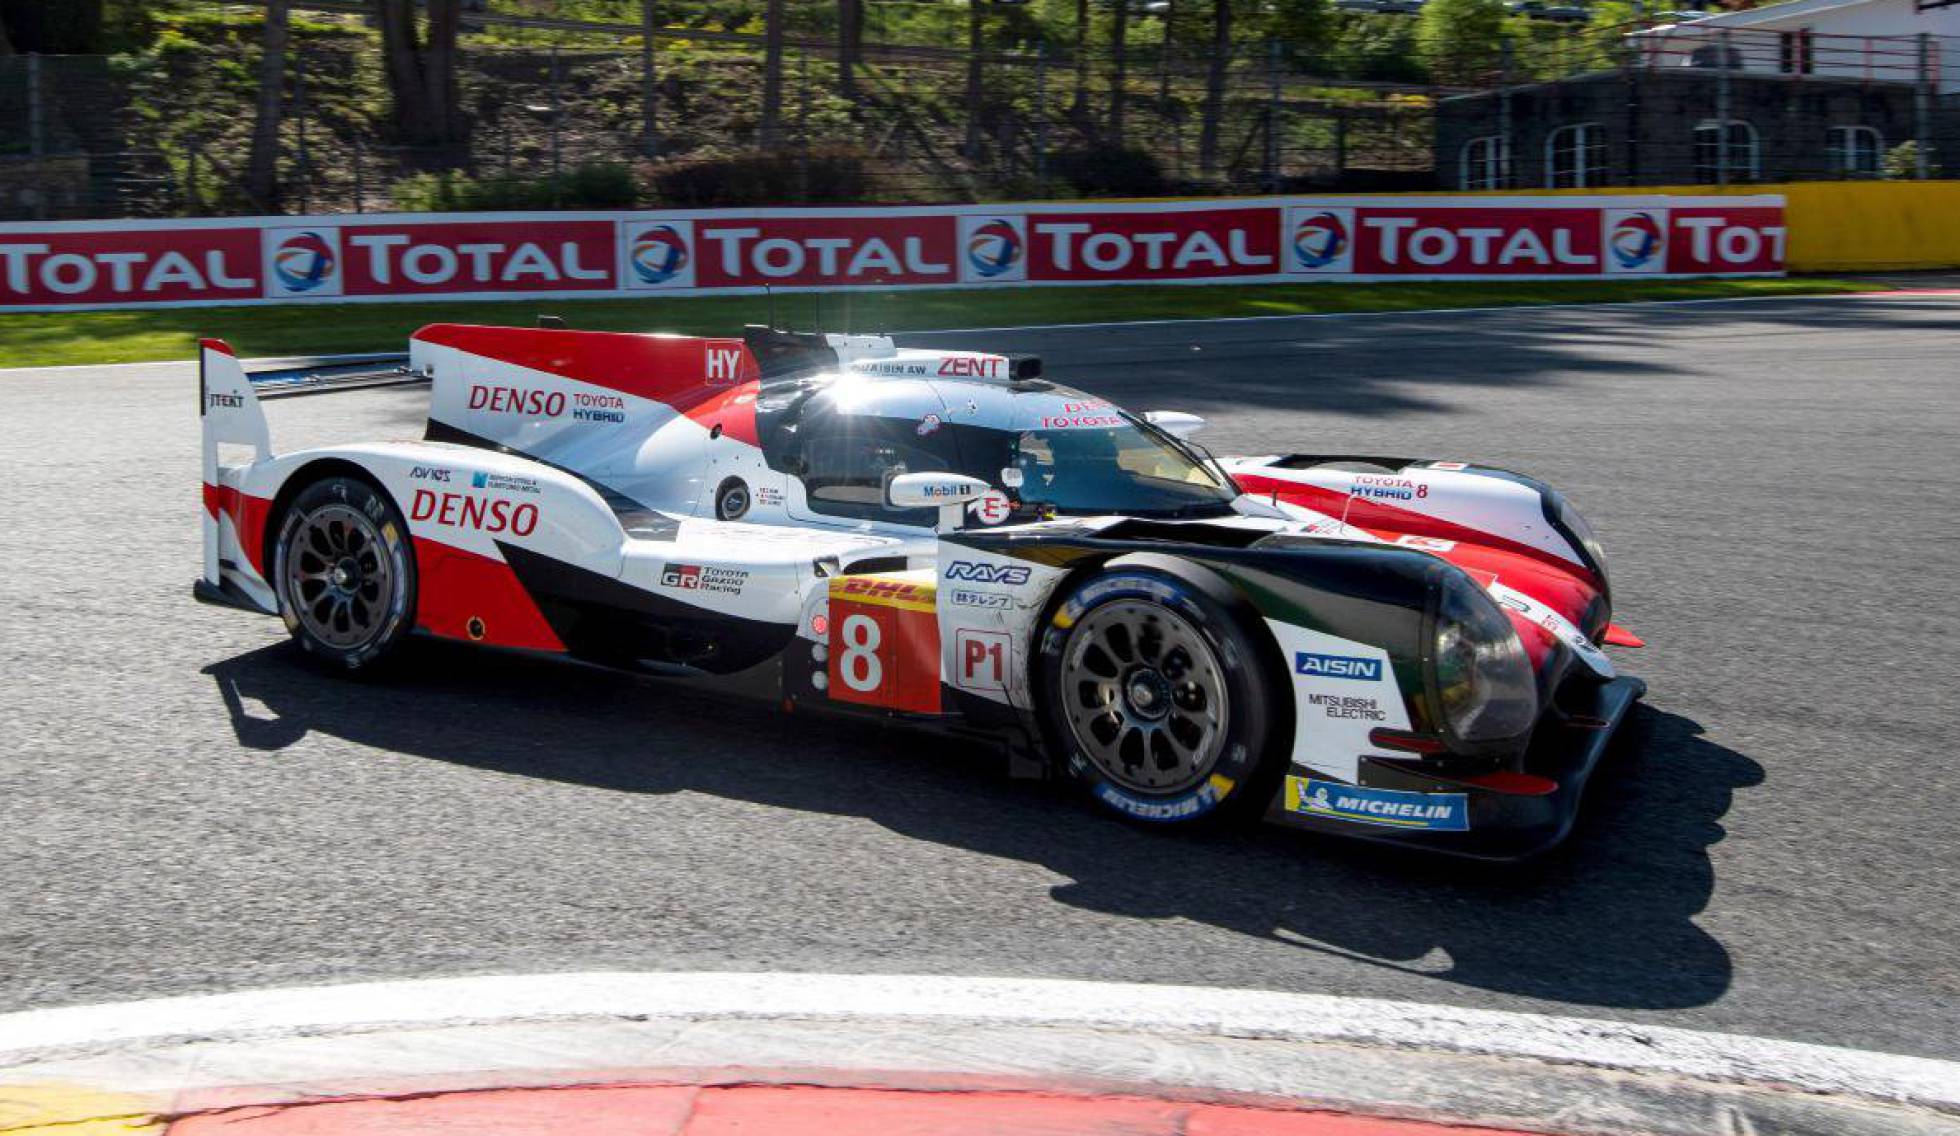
(1144, 696)
(339, 577)
(1147, 694)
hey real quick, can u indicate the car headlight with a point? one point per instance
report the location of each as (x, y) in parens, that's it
(1482, 677)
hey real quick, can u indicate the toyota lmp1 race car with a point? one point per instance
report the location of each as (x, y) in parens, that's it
(1400, 650)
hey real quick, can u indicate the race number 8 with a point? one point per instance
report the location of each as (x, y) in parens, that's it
(860, 666)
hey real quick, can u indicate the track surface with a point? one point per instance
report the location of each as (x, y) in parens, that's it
(184, 806)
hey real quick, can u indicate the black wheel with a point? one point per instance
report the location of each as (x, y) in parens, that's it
(345, 572)
(1154, 692)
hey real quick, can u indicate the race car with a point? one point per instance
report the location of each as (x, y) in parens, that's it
(1400, 650)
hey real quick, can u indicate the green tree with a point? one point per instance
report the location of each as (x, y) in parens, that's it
(1461, 40)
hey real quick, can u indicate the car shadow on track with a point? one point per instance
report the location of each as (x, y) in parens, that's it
(1606, 921)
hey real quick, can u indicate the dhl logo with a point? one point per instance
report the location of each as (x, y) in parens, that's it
(884, 591)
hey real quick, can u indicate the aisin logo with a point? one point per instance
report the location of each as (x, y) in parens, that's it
(1635, 240)
(993, 248)
(659, 254)
(303, 262)
(1319, 240)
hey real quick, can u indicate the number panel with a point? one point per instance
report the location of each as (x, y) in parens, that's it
(884, 642)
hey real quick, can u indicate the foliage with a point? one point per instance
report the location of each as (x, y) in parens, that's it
(592, 185)
(1461, 40)
(829, 175)
(1902, 162)
(1110, 171)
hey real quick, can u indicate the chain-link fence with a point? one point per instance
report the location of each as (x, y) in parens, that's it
(168, 133)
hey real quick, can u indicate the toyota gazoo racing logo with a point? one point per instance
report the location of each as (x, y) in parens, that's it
(658, 254)
(1319, 240)
(303, 262)
(994, 249)
(1635, 240)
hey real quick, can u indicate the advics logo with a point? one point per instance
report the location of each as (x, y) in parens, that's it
(305, 262)
(1636, 240)
(658, 254)
(993, 249)
(1321, 239)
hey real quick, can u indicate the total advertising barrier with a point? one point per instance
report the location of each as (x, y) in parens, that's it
(371, 257)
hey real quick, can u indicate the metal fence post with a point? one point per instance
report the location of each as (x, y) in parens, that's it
(299, 121)
(1504, 164)
(803, 123)
(1922, 111)
(649, 92)
(1041, 115)
(1722, 110)
(35, 142)
(557, 145)
(1272, 115)
(192, 205)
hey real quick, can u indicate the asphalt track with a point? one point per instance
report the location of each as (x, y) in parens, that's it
(185, 806)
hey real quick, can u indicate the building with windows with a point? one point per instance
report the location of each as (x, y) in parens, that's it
(1753, 96)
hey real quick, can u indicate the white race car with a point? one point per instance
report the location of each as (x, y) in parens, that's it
(1403, 650)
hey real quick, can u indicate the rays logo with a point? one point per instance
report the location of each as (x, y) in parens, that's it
(993, 249)
(303, 262)
(658, 254)
(1634, 240)
(1320, 240)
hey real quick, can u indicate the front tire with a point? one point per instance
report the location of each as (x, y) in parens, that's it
(1153, 691)
(345, 573)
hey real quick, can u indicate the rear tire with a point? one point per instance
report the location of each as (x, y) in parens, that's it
(1154, 693)
(344, 571)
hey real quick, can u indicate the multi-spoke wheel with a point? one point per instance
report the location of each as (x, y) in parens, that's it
(1153, 688)
(345, 574)
(1144, 696)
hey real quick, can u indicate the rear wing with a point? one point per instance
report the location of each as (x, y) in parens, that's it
(228, 397)
(229, 414)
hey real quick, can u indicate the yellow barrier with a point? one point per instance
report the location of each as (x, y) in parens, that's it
(1850, 226)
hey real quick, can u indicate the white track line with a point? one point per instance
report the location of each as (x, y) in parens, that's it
(947, 1002)
(1923, 295)
(305, 360)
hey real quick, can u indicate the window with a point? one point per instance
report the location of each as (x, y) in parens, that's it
(1739, 164)
(1575, 156)
(1486, 163)
(1855, 151)
(1793, 53)
(846, 460)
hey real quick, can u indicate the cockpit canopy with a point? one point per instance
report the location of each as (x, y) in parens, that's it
(1049, 449)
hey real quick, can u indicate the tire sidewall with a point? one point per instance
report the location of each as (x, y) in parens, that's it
(1235, 777)
(375, 504)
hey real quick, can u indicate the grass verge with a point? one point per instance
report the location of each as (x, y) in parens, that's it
(44, 339)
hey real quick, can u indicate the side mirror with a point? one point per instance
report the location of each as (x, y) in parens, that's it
(949, 492)
(924, 490)
(1174, 422)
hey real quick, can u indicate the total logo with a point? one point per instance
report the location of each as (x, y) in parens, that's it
(1323, 239)
(1636, 240)
(659, 255)
(303, 262)
(996, 248)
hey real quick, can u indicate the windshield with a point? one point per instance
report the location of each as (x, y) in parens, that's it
(1101, 461)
